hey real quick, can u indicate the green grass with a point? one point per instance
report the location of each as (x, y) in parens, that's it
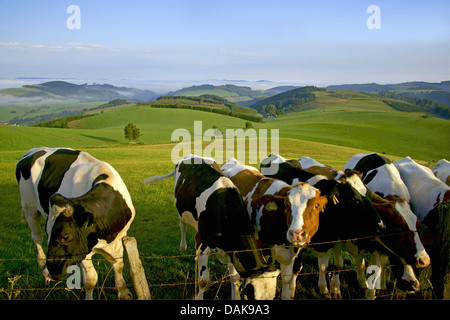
(316, 133)
(155, 227)
(390, 132)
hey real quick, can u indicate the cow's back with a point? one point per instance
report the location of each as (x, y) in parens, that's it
(71, 173)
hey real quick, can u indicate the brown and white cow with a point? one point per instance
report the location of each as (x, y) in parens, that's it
(281, 213)
(87, 208)
(209, 203)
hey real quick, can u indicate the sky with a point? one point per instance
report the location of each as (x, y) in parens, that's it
(310, 42)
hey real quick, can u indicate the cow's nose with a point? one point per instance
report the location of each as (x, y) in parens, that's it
(297, 235)
(423, 262)
(47, 276)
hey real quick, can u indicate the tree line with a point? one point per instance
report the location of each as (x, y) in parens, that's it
(415, 104)
(224, 111)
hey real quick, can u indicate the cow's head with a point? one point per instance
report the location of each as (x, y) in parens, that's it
(261, 287)
(401, 235)
(71, 236)
(302, 206)
(349, 214)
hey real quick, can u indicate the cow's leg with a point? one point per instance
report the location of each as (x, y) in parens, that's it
(359, 263)
(33, 217)
(323, 259)
(286, 258)
(375, 259)
(335, 283)
(90, 276)
(114, 254)
(202, 271)
(183, 228)
(383, 276)
(234, 277)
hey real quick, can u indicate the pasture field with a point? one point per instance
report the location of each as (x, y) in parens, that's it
(170, 273)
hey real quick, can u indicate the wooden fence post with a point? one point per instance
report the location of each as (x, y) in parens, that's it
(441, 258)
(136, 270)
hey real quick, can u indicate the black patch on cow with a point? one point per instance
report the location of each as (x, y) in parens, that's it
(370, 176)
(347, 215)
(110, 211)
(101, 177)
(370, 162)
(56, 165)
(23, 167)
(193, 180)
(287, 173)
(249, 292)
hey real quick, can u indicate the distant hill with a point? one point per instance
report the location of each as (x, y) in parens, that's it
(436, 91)
(61, 90)
(233, 93)
(289, 100)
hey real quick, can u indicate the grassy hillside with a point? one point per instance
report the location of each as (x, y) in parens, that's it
(231, 92)
(106, 128)
(360, 121)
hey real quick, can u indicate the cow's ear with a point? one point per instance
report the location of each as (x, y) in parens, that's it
(272, 202)
(84, 219)
(62, 202)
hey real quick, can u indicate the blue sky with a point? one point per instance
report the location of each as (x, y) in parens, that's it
(312, 42)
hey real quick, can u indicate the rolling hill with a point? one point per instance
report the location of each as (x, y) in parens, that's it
(304, 98)
(61, 90)
(233, 93)
(435, 91)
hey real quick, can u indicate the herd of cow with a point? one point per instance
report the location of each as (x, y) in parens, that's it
(257, 221)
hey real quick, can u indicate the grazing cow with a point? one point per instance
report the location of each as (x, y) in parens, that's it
(383, 178)
(442, 171)
(88, 210)
(280, 212)
(209, 202)
(426, 191)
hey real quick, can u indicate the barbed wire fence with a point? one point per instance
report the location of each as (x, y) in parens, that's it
(12, 291)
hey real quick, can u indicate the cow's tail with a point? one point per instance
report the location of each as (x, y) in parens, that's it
(157, 178)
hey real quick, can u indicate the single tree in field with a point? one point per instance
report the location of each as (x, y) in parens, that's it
(132, 132)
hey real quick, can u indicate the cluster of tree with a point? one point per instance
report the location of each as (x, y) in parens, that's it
(204, 99)
(241, 115)
(132, 133)
(61, 122)
(287, 101)
(112, 103)
(415, 104)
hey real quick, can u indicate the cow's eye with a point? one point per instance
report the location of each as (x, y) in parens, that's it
(65, 237)
(316, 206)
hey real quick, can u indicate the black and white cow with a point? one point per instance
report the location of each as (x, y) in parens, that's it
(382, 177)
(209, 203)
(442, 171)
(87, 208)
(426, 191)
